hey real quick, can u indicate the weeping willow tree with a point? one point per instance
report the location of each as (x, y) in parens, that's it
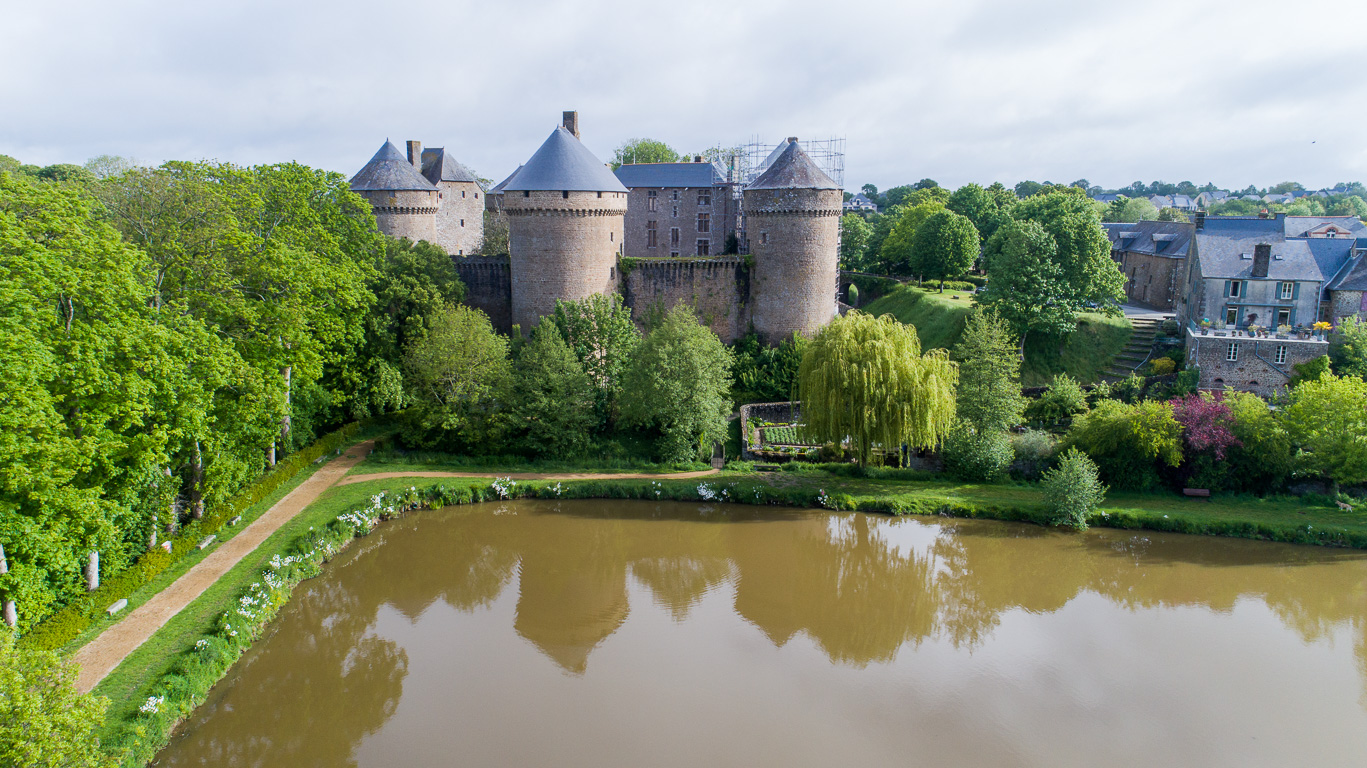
(864, 380)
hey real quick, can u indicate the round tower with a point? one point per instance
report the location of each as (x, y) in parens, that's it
(566, 212)
(792, 222)
(405, 203)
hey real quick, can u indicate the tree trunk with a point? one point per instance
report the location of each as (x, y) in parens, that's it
(197, 485)
(270, 456)
(289, 406)
(11, 615)
(92, 572)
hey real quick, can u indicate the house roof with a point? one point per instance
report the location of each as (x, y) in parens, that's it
(690, 175)
(1223, 241)
(1353, 276)
(564, 163)
(498, 188)
(1298, 226)
(1105, 198)
(389, 169)
(439, 165)
(1171, 239)
(793, 169)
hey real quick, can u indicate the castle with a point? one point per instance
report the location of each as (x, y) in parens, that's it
(567, 216)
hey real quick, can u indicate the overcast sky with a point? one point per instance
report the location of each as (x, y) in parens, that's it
(956, 90)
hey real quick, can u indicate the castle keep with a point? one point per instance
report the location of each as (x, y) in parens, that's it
(567, 217)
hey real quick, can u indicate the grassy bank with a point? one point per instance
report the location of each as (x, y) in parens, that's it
(939, 320)
(389, 460)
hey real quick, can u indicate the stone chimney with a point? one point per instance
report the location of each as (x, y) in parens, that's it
(792, 139)
(415, 154)
(571, 122)
(1262, 257)
(697, 158)
(1200, 220)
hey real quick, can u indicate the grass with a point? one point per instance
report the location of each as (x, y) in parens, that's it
(939, 320)
(451, 462)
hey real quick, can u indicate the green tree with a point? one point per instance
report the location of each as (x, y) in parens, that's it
(864, 379)
(1327, 421)
(643, 151)
(44, 721)
(988, 395)
(764, 374)
(679, 384)
(945, 246)
(1310, 370)
(882, 224)
(600, 331)
(976, 456)
(898, 249)
(1063, 398)
(1028, 288)
(1173, 214)
(1348, 352)
(106, 166)
(551, 404)
(1129, 442)
(1026, 189)
(1263, 459)
(1349, 205)
(1130, 209)
(454, 373)
(854, 240)
(987, 210)
(1073, 490)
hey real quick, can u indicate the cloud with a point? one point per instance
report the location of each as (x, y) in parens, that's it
(964, 91)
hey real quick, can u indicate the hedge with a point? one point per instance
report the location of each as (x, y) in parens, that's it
(68, 623)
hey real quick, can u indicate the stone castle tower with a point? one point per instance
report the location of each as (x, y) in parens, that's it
(405, 202)
(792, 214)
(566, 213)
(426, 195)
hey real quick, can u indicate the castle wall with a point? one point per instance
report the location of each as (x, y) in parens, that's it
(406, 213)
(678, 208)
(1151, 280)
(488, 287)
(716, 289)
(1346, 304)
(562, 246)
(460, 219)
(794, 244)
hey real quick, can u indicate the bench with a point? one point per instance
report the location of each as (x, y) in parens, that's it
(207, 540)
(1200, 492)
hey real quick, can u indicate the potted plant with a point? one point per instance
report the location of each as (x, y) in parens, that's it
(1219, 327)
(1205, 326)
(1300, 331)
(1256, 331)
(1321, 328)
(1283, 330)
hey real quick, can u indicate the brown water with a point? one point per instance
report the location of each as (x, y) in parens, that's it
(605, 633)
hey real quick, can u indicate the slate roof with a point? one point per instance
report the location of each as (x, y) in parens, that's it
(498, 188)
(793, 169)
(439, 165)
(1353, 276)
(1106, 197)
(1220, 246)
(564, 163)
(1297, 226)
(690, 175)
(389, 169)
(1171, 239)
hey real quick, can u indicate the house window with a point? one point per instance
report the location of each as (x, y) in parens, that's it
(1283, 317)
(651, 234)
(704, 222)
(1232, 316)
(1234, 287)
(704, 247)
(704, 197)
(1286, 289)
(1232, 354)
(1331, 233)
(650, 201)
(1281, 354)
(674, 237)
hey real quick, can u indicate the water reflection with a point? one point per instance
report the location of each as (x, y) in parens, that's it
(861, 590)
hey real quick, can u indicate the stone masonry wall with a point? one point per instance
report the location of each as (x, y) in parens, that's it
(1151, 280)
(716, 289)
(794, 243)
(406, 213)
(460, 220)
(681, 214)
(488, 288)
(1345, 304)
(562, 246)
(1256, 369)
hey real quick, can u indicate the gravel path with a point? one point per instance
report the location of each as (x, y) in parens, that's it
(100, 656)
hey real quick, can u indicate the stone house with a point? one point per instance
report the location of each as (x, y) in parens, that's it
(1152, 256)
(1207, 199)
(678, 209)
(861, 203)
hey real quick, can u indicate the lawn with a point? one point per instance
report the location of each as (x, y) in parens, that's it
(939, 320)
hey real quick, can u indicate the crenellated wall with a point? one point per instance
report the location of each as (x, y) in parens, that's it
(794, 237)
(488, 287)
(716, 288)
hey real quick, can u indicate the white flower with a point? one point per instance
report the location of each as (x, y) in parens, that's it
(152, 705)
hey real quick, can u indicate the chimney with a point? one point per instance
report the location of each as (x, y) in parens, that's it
(1200, 220)
(415, 154)
(697, 158)
(1262, 256)
(571, 122)
(792, 139)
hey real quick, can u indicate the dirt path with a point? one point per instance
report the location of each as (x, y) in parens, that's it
(365, 477)
(100, 656)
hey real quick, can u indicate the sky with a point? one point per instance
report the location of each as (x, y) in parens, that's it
(1235, 93)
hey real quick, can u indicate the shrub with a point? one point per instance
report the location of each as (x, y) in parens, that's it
(1062, 399)
(1162, 366)
(1129, 442)
(1033, 445)
(44, 721)
(1072, 490)
(974, 455)
(1128, 390)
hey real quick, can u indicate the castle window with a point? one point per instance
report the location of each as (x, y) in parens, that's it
(674, 254)
(676, 211)
(764, 238)
(676, 194)
(1232, 354)
(462, 193)
(612, 273)
(476, 195)
(565, 194)
(704, 247)
(462, 222)
(651, 234)
(704, 197)
(612, 237)
(674, 237)
(704, 222)
(526, 193)
(1280, 357)
(600, 195)
(650, 201)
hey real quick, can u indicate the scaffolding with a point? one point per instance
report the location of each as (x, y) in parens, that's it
(755, 156)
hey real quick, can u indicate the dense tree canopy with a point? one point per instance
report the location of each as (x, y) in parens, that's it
(988, 395)
(945, 245)
(854, 241)
(643, 151)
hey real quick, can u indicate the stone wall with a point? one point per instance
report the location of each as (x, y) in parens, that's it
(677, 208)
(716, 288)
(488, 288)
(1345, 304)
(1151, 280)
(1256, 369)
(794, 243)
(562, 246)
(460, 219)
(406, 213)
(772, 412)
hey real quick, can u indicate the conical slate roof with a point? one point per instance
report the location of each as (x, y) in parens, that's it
(389, 170)
(439, 165)
(499, 187)
(793, 169)
(563, 163)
